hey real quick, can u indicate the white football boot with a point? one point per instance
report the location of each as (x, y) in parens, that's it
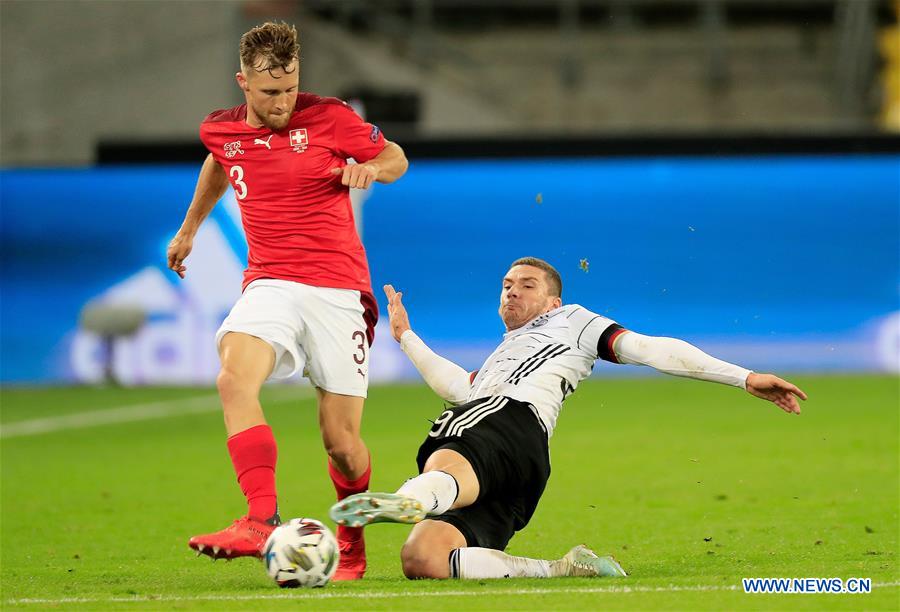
(366, 508)
(582, 561)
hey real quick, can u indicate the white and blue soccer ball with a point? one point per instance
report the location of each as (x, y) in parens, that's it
(301, 553)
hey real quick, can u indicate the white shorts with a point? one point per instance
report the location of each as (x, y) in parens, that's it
(324, 332)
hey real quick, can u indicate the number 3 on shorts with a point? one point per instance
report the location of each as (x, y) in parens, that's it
(440, 423)
(360, 357)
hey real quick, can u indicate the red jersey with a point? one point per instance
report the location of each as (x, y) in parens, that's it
(296, 214)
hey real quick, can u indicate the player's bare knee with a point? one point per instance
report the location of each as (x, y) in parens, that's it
(227, 384)
(234, 387)
(340, 439)
(420, 561)
(343, 450)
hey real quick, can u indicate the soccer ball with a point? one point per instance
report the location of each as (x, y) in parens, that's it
(301, 553)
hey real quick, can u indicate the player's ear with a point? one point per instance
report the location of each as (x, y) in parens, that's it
(241, 81)
(555, 303)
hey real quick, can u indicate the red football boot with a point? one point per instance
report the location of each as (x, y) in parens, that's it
(246, 537)
(352, 564)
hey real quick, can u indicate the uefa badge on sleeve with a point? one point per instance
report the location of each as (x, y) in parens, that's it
(299, 140)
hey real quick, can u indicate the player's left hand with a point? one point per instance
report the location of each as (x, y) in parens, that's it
(358, 176)
(780, 392)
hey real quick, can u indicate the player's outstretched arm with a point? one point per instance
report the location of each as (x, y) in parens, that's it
(211, 185)
(386, 167)
(680, 358)
(448, 380)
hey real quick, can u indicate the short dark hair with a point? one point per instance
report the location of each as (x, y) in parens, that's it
(269, 46)
(553, 278)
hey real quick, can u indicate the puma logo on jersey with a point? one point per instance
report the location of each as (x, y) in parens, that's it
(264, 142)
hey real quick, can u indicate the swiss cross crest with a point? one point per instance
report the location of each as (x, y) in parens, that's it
(299, 140)
(233, 148)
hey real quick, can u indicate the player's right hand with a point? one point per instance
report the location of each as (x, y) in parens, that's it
(178, 250)
(396, 312)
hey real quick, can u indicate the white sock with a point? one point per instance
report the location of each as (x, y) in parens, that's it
(436, 490)
(469, 563)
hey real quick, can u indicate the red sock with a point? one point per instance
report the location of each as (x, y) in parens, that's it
(254, 453)
(345, 487)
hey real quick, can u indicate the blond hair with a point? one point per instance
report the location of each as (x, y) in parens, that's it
(269, 46)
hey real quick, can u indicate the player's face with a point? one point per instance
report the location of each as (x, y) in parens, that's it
(271, 95)
(525, 295)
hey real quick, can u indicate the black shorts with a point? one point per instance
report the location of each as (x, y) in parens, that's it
(506, 444)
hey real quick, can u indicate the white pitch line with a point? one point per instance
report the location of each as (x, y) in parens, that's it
(109, 416)
(319, 595)
(122, 414)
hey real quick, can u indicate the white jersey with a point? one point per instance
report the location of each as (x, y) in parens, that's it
(542, 362)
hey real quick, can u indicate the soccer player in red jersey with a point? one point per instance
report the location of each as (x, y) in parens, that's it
(307, 301)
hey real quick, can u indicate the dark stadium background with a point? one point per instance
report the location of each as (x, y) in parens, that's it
(728, 170)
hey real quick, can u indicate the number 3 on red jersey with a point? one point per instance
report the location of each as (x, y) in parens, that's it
(240, 187)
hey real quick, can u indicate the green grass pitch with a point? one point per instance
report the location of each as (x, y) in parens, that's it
(691, 486)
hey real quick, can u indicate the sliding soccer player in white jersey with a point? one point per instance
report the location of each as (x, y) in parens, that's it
(485, 462)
